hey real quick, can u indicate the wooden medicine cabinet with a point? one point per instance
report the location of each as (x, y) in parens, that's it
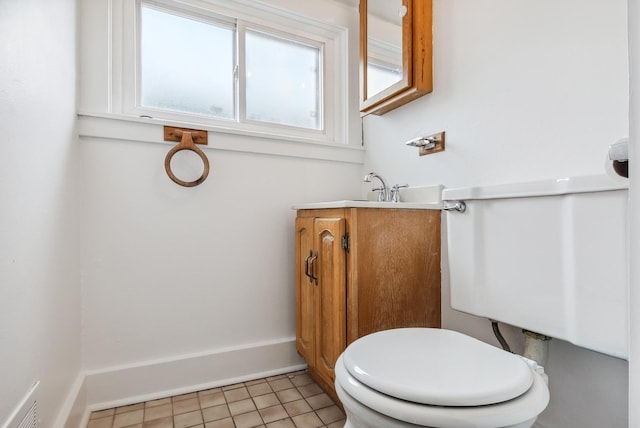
(395, 53)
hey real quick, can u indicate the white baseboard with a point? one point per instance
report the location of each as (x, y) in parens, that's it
(104, 389)
(74, 412)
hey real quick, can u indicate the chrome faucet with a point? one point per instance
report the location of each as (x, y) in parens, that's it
(395, 191)
(385, 193)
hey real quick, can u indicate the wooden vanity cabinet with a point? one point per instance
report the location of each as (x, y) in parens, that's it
(362, 270)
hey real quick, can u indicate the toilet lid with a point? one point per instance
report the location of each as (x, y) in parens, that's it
(437, 367)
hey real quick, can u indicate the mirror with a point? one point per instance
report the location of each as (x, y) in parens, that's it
(384, 44)
(395, 53)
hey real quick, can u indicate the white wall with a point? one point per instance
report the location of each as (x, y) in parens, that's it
(39, 270)
(170, 270)
(524, 90)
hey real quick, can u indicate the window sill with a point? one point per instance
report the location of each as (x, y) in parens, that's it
(120, 127)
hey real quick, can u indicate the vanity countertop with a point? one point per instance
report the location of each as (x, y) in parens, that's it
(412, 198)
(369, 204)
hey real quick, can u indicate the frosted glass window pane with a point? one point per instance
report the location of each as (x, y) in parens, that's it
(187, 65)
(282, 81)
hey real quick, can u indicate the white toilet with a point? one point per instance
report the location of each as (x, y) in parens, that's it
(423, 377)
(436, 378)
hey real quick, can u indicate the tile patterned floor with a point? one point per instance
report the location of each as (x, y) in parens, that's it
(291, 400)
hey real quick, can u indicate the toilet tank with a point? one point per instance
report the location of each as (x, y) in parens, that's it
(547, 256)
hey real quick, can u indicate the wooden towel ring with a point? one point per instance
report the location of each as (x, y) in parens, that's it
(186, 143)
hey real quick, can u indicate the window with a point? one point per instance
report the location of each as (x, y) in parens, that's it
(275, 76)
(226, 70)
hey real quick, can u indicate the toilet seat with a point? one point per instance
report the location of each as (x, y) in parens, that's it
(437, 367)
(523, 407)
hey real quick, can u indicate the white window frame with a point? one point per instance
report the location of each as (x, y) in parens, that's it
(125, 49)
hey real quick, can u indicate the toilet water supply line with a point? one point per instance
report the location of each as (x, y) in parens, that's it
(536, 346)
(499, 336)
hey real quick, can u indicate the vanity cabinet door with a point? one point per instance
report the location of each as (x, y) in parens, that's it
(330, 296)
(394, 270)
(305, 291)
(320, 294)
